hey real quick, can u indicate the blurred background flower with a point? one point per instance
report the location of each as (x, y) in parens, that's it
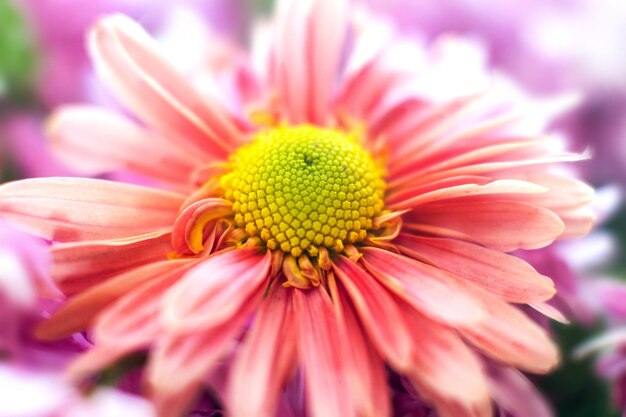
(550, 48)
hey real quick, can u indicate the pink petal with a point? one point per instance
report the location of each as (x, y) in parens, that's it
(78, 266)
(516, 394)
(578, 222)
(509, 336)
(500, 225)
(365, 369)
(78, 312)
(430, 290)
(564, 192)
(182, 361)
(73, 209)
(309, 42)
(503, 275)
(266, 359)
(129, 61)
(320, 341)
(501, 188)
(445, 370)
(474, 163)
(378, 312)
(94, 141)
(215, 290)
(188, 233)
(130, 324)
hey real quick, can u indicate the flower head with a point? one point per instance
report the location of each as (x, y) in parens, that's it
(346, 217)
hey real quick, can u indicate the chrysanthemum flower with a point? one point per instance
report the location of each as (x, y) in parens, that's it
(338, 226)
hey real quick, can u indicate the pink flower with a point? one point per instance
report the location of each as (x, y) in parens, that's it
(355, 211)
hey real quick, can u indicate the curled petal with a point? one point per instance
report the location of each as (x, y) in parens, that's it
(189, 228)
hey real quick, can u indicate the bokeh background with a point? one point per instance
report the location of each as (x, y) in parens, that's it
(573, 48)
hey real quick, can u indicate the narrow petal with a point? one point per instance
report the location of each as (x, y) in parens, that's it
(309, 42)
(182, 361)
(79, 312)
(500, 225)
(430, 290)
(95, 141)
(266, 359)
(215, 289)
(378, 312)
(365, 369)
(509, 336)
(129, 61)
(516, 394)
(502, 188)
(80, 265)
(445, 371)
(503, 275)
(327, 389)
(129, 325)
(73, 209)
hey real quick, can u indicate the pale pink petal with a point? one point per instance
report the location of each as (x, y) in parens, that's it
(130, 324)
(564, 193)
(502, 188)
(419, 126)
(201, 318)
(309, 43)
(80, 265)
(516, 394)
(509, 336)
(402, 193)
(76, 314)
(266, 359)
(577, 222)
(73, 209)
(503, 275)
(180, 362)
(444, 369)
(430, 290)
(378, 312)
(215, 290)
(320, 339)
(94, 141)
(500, 225)
(129, 61)
(421, 173)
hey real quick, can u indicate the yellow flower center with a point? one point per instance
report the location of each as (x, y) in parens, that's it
(302, 188)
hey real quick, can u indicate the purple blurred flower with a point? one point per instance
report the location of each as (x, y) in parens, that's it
(548, 47)
(66, 76)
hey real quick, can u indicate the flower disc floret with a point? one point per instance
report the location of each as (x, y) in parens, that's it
(301, 188)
